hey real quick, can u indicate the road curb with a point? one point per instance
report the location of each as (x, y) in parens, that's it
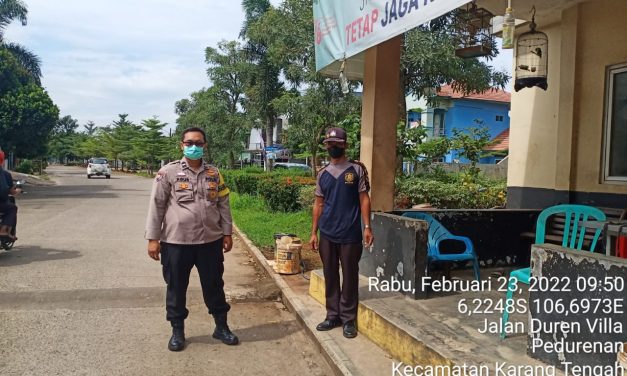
(335, 356)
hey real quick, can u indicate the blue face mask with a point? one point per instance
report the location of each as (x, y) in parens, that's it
(192, 152)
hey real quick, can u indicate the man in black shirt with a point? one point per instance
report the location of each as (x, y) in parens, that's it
(341, 207)
(7, 208)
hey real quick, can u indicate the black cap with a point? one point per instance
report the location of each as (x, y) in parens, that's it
(335, 135)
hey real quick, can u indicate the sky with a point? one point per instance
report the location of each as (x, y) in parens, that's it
(101, 58)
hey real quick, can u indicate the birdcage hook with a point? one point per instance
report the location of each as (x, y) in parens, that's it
(533, 25)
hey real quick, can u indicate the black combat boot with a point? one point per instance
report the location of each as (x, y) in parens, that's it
(222, 331)
(177, 341)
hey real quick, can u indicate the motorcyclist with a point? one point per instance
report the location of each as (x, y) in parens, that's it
(7, 208)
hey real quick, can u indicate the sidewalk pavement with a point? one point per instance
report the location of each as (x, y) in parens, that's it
(357, 356)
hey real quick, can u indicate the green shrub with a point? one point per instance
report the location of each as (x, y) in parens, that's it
(245, 183)
(453, 191)
(306, 196)
(280, 194)
(280, 188)
(25, 167)
(242, 181)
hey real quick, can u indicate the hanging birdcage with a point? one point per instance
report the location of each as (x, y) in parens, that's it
(473, 32)
(532, 58)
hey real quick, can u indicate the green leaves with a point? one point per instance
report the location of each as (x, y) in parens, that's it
(219, 109)
(450, 191)
(471, 143)
(428, 61)
(27, 116)
(11, 10)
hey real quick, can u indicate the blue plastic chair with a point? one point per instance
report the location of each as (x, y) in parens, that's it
(439, 233)
(574, 236)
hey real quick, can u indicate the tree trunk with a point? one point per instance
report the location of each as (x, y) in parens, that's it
(269, 141)
(231, 159)
(269, 131)
(314, 160)
(402, 115)
(279, 130)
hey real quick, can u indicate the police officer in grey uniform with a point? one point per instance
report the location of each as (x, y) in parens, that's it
(189, 223)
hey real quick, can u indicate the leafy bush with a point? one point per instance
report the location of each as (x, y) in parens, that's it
(25, 167)
(281, 189)
(246, 183)
(280, 194)
(306, 196)
(242, 181)
(451, 191)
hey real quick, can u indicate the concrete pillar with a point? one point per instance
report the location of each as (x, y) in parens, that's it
(564, 150)
(379, 118)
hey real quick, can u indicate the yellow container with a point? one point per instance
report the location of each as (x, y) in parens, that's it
(287, 255)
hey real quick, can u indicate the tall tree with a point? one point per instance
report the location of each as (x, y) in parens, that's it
(315, 102)
(12, 74)
(90, 128)
(65, 126)
(123, 131)
(321, 106)
(63, 139)
(281, 30)
(229, 71)
(265, 84)
(27, 116)
(151, 145)
(11, 10)
(226, 132)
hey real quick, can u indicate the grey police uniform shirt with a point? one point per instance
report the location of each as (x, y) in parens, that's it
(188, 207)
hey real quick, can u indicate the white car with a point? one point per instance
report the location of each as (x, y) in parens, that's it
(98, 167)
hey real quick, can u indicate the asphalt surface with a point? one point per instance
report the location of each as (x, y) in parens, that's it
(79, 295)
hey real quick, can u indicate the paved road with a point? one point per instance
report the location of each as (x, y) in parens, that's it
(79, 295)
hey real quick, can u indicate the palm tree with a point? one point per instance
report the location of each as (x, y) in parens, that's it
(11, 10)
(265, 84)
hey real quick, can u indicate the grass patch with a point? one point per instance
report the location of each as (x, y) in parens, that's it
(253, 217)
(260, 224)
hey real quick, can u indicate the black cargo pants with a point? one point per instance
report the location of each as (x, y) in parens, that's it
(177, 261)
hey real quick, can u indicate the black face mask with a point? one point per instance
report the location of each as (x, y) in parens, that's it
(335, 151)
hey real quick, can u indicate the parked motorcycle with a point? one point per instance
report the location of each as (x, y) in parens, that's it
(7, 243)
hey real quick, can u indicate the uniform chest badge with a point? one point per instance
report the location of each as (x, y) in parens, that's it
(349, 178)
(184, 186)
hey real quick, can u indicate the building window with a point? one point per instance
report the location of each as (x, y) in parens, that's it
(499, 117)
(615, 124)
(438, 123)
